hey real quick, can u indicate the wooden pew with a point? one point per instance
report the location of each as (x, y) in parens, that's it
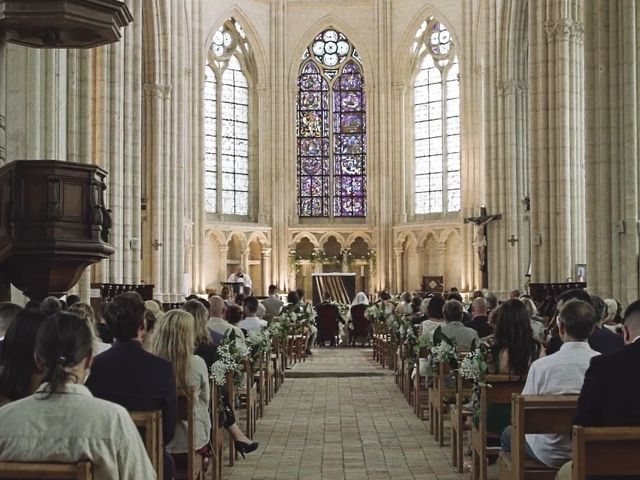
(186, 412)
(458, 419)
(605, 451)
(217, 433)
(48, 471)
(502, 387)
(542, 414)
(149, 425)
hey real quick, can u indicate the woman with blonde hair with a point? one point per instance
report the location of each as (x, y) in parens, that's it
(203, 344)
(174, 340)
(85, 311)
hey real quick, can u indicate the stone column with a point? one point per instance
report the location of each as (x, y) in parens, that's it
(612, 77)
(222, 252)
(557, 136)
(442, 256)
(266, 269)
(244, 260)
(397, 252)
(400, 139)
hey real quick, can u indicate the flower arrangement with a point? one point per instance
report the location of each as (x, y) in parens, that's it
(474, 367)
(294, 259)
(343, 309)
(230, 354)
(442, 351)
(282, 325)
(259, 340)
(306, 316)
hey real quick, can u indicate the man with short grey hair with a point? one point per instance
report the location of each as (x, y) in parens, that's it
(454, 329)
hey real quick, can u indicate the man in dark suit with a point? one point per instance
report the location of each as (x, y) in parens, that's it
(479, 320)
(128, 375)
(328, 318)
(602, 339)
(610, 393)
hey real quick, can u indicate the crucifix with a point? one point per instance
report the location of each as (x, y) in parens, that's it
(480, 239)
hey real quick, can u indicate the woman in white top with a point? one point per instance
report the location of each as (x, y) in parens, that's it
(435, 316)
(62, 421)
(174, 340)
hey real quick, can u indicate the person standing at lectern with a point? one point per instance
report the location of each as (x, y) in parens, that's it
(239, 276)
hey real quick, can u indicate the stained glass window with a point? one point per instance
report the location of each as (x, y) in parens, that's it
(331, 130)
(226, 141)
(436, 97)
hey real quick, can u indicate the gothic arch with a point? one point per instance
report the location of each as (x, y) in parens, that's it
(405, 236)
(241, 238)
(331, 21)
(216, 235)
(299, 236)
(323, 239)
(447, 233)
(260, 76)
(354, 236)
(259, 237)
(424, 237)
(405, 64)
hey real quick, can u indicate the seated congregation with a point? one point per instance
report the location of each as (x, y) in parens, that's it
(535, 391)
(73, 384)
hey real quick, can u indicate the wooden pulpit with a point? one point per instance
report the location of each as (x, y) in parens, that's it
(53, 224)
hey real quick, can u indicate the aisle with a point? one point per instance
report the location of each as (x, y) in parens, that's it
(340, 416)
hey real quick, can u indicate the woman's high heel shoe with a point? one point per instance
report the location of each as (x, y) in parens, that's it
(242, 447)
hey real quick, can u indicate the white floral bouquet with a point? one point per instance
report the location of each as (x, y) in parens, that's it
(307, 315)
(343, 309)
(442, 351)
(259, 340)
(231, 354)
(474, 367)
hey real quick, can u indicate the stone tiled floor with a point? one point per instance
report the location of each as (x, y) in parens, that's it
(342, 417)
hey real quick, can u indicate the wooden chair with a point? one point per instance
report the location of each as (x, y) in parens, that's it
(441, 394)
(420, 392)
(327, 324)
(361, 327)
(544, 414)
(231, 392)
(248, 399)
(459, 415)
(48, 471)
(217, 434)
(502, 387)
(149, 425)
(194, 461)
(407, 383)
(605, 451)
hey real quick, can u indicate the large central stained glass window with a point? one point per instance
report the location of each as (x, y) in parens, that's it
(331, 130)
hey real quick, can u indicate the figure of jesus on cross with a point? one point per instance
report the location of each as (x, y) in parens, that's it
(480, 238)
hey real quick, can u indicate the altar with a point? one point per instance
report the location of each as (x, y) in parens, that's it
(341, 285)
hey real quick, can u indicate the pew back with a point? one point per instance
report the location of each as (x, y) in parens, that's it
(536, 414)
(605, 451)
(149, 424)
(46, 471)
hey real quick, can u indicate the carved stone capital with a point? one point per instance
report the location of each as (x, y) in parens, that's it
(563, 30)
(512, 87)
(157, 90)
